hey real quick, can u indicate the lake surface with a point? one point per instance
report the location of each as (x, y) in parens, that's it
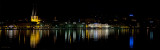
(80, 38)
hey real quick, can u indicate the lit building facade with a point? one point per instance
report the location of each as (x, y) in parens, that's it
(34, 17)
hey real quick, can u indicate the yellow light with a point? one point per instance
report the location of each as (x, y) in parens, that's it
(86, 26)
(35, 38)
(28, 26)
(35, 19)
(70, 40)
(4, 26)
(0, 32)
(87, 34)
(115, 20)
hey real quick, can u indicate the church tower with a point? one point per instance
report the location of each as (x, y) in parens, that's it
(34, 17)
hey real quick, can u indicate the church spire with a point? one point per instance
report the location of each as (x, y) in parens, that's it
(34, 10)
(34, 17)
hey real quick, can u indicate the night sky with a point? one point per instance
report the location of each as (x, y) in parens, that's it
(23, 8)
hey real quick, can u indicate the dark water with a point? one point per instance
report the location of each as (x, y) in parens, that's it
(80, 38)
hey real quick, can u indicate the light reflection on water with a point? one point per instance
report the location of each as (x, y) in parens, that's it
(98, 33)
(131, 42)
(34, 38)
(151, 35)
(38, 38)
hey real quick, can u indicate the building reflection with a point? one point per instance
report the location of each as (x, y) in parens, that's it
(55, 36)
(131, 39)
(83, 34)
(106, 33)
(131, 42)
(74, 35)
(77, 35)
(40, 32)
(87, 34)
(0, 33)
(151, 35)
(12, 33)
(68, 36)
(97, 33)
(46, 33)
(34, 38)
(28, 32)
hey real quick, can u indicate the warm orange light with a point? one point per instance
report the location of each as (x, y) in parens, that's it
(35, 19)
(70, 40)
(0, 32)
(87, 34)
(35, 38)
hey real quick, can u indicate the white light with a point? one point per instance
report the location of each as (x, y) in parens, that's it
(65, 35)
(10, 33)
(11, 26)
(83, 23)
(65, 22)
(150, 21)
(74, 35)
(74, 22)
(106, 26)
(98, 25)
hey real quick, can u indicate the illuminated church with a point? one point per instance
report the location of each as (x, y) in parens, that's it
(34, 17)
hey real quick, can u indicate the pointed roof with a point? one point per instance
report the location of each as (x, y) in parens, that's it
(34, 10)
